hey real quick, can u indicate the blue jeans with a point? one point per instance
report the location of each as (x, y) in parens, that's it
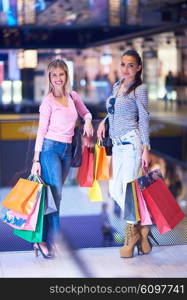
(55, 159)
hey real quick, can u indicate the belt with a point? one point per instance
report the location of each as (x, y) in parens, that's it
(123, 140)
(118, 141)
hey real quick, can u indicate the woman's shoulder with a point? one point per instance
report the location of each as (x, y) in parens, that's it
(141, 88)
(73, 94)
(47, 99)
(116, 84)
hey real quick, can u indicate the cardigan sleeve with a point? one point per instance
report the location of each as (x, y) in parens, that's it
(44, 120)
(81, 107)
(143, 115)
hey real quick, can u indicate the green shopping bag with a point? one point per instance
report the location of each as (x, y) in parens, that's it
(34, 236)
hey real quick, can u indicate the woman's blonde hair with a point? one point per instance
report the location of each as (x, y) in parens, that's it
(58, 63)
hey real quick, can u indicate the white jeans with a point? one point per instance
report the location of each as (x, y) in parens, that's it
(126, 163)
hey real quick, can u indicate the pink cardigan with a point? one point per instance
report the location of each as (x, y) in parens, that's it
(57, 122)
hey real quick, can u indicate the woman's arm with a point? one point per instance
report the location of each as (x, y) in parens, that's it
(143, 114)
(101, 130)
(84, 113)
(36, 167)
(44, 118)
(81, 107)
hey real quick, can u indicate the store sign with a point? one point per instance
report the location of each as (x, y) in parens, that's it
(24, 130)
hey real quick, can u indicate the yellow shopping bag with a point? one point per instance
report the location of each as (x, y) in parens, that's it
(95, 194)
(135, 201)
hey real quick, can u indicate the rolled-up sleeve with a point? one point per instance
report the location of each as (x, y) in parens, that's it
(143, 115)
(81, 107)
(44, 120)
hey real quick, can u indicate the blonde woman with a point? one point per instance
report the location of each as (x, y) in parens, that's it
(59, 111)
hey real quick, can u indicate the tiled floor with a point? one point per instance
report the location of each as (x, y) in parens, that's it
(162, 262)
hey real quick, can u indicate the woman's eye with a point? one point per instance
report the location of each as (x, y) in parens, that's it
(122, 65)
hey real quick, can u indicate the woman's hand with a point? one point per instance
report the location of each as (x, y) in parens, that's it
(36, 169)
(87, 141)
(101, 131)
(88, 128)
(145, 159)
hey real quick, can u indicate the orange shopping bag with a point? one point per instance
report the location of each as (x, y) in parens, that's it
(22, 197)
(102, 169)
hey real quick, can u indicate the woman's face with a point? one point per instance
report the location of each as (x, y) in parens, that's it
(58, 78)
(129, 67)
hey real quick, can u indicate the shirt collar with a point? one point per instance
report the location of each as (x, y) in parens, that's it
(129, 85)
(119, 82)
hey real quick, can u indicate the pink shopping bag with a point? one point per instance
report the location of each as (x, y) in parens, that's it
(145, 218)
(23, 222)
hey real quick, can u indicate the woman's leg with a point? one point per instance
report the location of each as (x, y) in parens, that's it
(54, 235)
(52, 175)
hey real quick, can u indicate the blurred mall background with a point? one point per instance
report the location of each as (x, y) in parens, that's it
(91, 36)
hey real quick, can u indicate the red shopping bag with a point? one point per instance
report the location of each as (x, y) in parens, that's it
(164, 209)
(85, 175)
(145, 217)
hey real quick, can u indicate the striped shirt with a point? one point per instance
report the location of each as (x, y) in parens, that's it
(130, 112)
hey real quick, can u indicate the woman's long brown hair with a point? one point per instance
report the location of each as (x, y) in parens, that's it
(138, 78)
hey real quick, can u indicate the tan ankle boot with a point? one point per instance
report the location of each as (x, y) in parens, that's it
(132, 238)
(145, 244)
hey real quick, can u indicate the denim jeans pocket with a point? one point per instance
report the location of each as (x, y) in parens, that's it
(48, 145)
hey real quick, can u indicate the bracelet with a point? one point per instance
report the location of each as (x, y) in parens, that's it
(34, 161)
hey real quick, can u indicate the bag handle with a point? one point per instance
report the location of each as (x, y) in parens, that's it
(100, 143)
(145, 171)
(36, 178)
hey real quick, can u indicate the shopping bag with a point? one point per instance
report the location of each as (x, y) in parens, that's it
(95, 193)
(77, 140)
(34, 236)
(149, 177)
(49, 204)
(145, 218)
(85, 175)
(22, 197)
(77, 147)
(131, 210)
(20, 221)
(102, 168)
(176, 236)
(164, 209)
